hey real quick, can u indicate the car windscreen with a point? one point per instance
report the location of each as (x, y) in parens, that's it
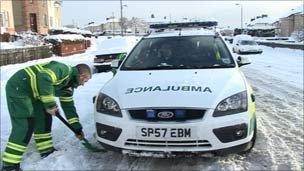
(184, 52)
(248, 42)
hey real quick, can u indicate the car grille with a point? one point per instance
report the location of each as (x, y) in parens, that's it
(169, 114)
(157, 143)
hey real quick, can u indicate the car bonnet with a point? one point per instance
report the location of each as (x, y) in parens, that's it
(203, 88)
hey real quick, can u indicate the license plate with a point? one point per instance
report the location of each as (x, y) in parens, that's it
(165, 133)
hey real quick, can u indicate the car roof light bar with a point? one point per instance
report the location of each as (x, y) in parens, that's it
(202, 24)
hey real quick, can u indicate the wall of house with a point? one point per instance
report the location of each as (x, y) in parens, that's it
(57, 14)
(290, 24)
(7, 16)
(18, 10)
(22, 11)
(299, 22)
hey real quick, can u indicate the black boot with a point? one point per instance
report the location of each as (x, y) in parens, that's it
(15, 167)
(44, 155)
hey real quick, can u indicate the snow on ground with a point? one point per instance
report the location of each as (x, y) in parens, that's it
(277, 79)
(12, 45)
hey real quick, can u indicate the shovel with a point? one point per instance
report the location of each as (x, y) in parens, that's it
(84, 141)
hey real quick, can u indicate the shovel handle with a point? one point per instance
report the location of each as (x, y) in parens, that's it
(65, 122)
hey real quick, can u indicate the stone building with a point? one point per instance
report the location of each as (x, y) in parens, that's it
(29, 15)
(7, 17)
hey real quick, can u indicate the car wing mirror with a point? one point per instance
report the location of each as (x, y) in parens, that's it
(242, 60)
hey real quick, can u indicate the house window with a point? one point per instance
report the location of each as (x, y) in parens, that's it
(51, 21)
(45, 18)
(7, 24)
(2, 19)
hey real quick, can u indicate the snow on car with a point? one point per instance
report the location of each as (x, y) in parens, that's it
(178, 91)
(244, 44)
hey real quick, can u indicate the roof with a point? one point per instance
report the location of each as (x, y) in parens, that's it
(264, 20)
(184, 32)
(260, 27)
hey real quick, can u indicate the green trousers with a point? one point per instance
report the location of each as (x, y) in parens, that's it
(28, 116)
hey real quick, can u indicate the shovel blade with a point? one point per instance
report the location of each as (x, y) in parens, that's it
(92, 148)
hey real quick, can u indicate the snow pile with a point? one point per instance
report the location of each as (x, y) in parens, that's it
(65, 37)
(12, 45)
(30, 38)
(24, 39)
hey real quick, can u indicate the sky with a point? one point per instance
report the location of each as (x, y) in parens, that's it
(227, 13)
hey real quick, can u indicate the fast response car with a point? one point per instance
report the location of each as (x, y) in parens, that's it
(178, 91)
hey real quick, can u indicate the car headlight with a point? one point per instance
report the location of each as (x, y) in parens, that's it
(107, 105)
(236, 103)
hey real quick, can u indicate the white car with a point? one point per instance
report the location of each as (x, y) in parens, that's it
(177, 92)
(244, 44)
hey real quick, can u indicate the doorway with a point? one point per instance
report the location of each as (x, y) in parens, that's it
(33, 22)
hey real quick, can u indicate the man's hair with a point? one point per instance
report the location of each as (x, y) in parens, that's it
(83, 69)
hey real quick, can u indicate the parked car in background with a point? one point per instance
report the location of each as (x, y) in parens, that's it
(244, 44)
(102, 62)
(228, 38)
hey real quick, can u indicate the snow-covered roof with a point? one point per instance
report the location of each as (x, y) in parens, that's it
(61, 37)
(113, 20)
(260, 27)
(185, 32)
(157, 20)
(297, 10)
(264, 20)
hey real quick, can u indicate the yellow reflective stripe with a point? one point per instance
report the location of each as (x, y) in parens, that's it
(11, 160)
(37, 137)
(42, 144)
(47, 99)
(32, 76)
(12, 155)
(60, 81)
(73, 120)
(15, 148)
(45, 147)
(39, 68)
(51, 74)
(16, 145)
(66, 99)
(45, 134)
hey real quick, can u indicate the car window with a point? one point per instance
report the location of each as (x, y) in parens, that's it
(187, 52)
(248, 42)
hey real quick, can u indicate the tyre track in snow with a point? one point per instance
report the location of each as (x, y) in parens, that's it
(280, 120)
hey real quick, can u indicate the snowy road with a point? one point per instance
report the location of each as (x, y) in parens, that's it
(277, 80)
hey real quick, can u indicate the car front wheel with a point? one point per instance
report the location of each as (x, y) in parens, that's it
(252, 142)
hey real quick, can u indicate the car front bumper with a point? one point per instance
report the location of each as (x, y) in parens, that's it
(209, 134)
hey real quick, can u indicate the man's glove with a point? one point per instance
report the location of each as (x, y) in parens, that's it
(52, 111)
(79, 134)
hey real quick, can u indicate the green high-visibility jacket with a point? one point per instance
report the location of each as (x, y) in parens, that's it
(46, 81)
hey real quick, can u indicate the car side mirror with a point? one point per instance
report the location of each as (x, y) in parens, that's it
(116, 63)
(241, 60)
